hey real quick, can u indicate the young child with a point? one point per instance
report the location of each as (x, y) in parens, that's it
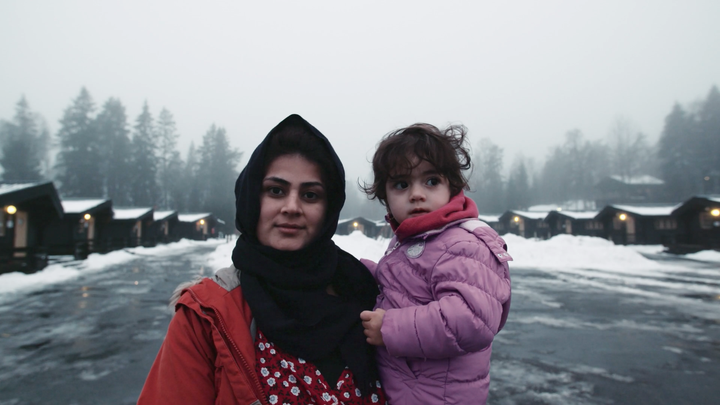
(444, 280)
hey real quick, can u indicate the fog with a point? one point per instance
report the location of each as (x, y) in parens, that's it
(521, 73)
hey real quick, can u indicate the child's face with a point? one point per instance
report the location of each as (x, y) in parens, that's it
(422, 191)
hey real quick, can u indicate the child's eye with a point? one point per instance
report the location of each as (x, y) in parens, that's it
(433, 181)
(400, 185)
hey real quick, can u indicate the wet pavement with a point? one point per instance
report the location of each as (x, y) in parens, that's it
(572, 338)
(91, 340)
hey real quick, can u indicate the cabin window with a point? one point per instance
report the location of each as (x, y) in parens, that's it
(594, 225)
(542, 224)
(666, 223)
(707, 221)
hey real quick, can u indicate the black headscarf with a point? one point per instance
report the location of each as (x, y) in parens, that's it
(287, 290)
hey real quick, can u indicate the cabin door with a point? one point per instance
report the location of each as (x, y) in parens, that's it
(91, 228)
(21, 232)
(568, 227)
(630, 229)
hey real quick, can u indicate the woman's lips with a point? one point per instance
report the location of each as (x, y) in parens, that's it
(289, 228)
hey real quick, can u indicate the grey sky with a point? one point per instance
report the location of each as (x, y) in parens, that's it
(521, 73)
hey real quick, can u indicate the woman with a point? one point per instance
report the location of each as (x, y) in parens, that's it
(282, 325)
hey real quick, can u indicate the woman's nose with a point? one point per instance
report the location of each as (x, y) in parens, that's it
(292, 204)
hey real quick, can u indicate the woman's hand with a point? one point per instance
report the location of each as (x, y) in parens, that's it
(372, 322)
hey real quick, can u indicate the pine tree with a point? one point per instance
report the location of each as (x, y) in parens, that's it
(677, 155)
(217, 174)
(21, 150)
(116, 166)
(517, 194)
(487, 185)
(79, 159)
(143, 190)
(167, 141)
(192, 199)
(177, 183)
(709, 139)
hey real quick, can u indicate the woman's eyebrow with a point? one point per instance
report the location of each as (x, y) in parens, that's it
(276, 180)
(313, 184)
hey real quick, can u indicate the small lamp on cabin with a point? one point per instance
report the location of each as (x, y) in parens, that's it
(715, 212)
(622, 217)
(202, 222)
(355, 224)
(516, 219)
(11, 209)
(87, 217)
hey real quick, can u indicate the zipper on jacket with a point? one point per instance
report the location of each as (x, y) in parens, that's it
(236, 353)
(393, 248)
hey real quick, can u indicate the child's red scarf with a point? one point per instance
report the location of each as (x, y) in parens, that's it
(459, 207)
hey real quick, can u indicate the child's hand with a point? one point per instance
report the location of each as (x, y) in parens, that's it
(372, 321)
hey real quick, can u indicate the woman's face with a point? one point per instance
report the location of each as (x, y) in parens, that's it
(293, 202)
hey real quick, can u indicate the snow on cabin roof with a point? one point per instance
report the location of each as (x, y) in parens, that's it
(648, 211)
(161, 215)
(638, 179)
(531, 215)
(543, 208)
(193, 217)
(129, 213)
(80, 206)
(579, 214)
(489, 218)
(9, 188)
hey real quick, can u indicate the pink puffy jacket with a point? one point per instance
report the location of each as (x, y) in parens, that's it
(447, 294)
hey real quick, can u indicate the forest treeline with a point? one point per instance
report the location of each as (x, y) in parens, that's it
(686, 157)
(100, 154)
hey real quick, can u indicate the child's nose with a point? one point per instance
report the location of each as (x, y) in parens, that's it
(417, 193)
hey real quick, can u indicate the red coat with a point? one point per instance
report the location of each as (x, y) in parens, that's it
(208, 355)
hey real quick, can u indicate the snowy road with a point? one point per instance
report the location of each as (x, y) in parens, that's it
(590, 323)
(91, 339)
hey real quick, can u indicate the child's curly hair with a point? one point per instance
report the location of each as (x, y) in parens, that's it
(403, 149)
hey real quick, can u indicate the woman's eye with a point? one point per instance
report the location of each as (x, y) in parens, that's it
(275, 191)
(400, 185)
(311, 195)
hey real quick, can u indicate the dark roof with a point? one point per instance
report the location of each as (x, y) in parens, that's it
(29, 194)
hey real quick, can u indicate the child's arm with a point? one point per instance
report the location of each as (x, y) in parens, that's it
(371, 266)
(471, 290)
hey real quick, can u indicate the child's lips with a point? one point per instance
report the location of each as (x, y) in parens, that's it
(418, 211)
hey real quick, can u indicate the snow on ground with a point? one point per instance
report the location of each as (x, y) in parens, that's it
(13, 282)
(589, 260)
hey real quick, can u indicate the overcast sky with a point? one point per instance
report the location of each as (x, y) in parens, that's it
(521, 73)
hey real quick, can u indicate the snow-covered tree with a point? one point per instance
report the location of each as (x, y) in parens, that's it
(143, 189)
(22, 148)
(167, 142)
(115, 149)
(79, 160)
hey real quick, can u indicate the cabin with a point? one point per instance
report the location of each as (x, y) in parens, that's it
(26, 209)
(163, 227)
(369, 228)
(575, 223)
(78, 232)
(528, 224)
(629, 190)
(698, 222)
(646, 224)
(494, 222)
(197, 226)
(129, 227)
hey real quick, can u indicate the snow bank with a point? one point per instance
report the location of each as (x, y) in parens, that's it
(16, 281)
